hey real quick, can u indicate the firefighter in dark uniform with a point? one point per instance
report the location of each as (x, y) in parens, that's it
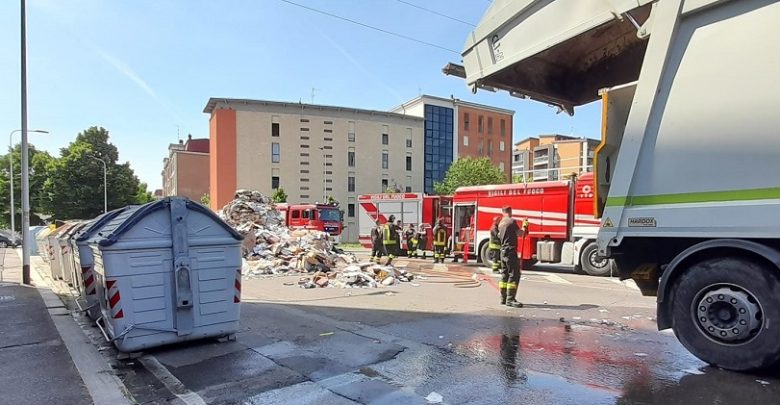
(390, 239)
(439, 241)
(411, 241)
(509, 231)
(377, 249)
(422, 241)
(494, 246)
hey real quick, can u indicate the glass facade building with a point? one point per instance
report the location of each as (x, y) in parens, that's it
(438, 144)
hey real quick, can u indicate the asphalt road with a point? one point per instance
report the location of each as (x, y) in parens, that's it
(579, 340)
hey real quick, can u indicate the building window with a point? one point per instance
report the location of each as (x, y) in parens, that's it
(385, 139)
(503, 127)
(328, 172)
(274, 182)
(329, 180)
(304, 196)
(304, 180)
(304, 154)
(408, 189)
(328, 131)
(351, 158)
(305, 146)
(384, 185)
(438, 149)
(351, 210)
(304, 138)
(275, 125)
(480, 148)
(328, 156)
(328, 139)
(408, 163)
(490, 148)
(304, 129)
(465, 140)
(327, 147)
(328, 188)
(304, 188)
(385, 159)
(304, 120)
(480, 124)
(501, 166)
(351, 137)
(501, 146)
(304, 163)
(304, 170)
(275, 152)
(408, 137)
(490, 125)
(328, 122)
(351, 133)
(351, 184)
(466, 121)
(328, 164)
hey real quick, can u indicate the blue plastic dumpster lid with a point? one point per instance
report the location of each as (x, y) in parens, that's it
(124, 221)
(97, 223)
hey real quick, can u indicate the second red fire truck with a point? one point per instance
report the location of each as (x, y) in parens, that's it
(321, 217)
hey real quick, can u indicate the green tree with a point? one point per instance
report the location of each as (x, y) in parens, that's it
(469, 172)
(529, 178)
(205, 199)
(40, 162)
(279, 196)
(74, 188)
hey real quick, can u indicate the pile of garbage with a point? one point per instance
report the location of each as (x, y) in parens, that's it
(361, 275)
(271, 248)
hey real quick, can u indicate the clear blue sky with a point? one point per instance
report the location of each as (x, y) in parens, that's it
(141, 68)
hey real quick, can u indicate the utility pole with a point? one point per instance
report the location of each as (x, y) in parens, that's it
(25, 154)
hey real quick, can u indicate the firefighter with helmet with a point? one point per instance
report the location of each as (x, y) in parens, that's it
(422, 241)
(439, 241)
(509, 232)
(410, 236)
(494, 246)
(377, 249)
(390, 238)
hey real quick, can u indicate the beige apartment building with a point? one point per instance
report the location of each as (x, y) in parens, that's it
(552, 157)
(186, 169)
(312, 151)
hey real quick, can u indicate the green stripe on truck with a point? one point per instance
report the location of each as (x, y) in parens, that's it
(701, 197)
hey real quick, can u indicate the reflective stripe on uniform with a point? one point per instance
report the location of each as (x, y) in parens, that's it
(502, 284)
(511, 285)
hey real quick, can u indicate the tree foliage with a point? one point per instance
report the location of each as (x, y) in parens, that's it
(40, 163)
(279, 196)
(205, 199)
(469, 172)
(74, 188)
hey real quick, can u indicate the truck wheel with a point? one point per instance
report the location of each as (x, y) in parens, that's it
(484, 255)
(592, 263)
(726, 311)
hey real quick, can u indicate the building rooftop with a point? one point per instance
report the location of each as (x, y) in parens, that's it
(422, 98)
(237, 102)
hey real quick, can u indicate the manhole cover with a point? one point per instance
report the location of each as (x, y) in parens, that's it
(6, 298)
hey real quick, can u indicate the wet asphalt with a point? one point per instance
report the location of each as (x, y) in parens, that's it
(407, 343)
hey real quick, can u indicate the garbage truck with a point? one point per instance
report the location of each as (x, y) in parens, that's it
(687, 175)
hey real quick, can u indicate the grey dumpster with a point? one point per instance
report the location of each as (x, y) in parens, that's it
(166, 272)
(64, 253)
(83, 261)
(55, 253)
(34, 230)
(42, 240)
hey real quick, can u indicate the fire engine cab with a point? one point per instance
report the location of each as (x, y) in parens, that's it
(562, 228)
(321, 217)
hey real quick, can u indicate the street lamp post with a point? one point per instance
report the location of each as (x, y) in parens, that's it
(11, 171)
(25, 156)
(105, 183)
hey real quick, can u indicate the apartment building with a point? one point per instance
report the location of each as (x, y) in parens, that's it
(552, 157)
(312, 151)
(455, 129)
(186, 169)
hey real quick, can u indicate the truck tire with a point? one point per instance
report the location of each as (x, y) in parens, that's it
(592, 263)
(484, 255)
(725, 311)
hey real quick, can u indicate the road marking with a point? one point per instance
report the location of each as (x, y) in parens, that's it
(627, 283)
(170, 381)
(556, 279)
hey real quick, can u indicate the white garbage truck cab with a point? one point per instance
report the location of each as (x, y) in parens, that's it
(687, 175)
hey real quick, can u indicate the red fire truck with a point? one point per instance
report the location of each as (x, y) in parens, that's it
(410, 208)
(562, 228)
(321, 217)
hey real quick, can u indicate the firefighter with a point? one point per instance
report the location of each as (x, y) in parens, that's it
(439, 241)
(411, 240)
(494, 246)
(509, 231)
(399, 230)
(390, 238)
(377, 248)
(422, 241)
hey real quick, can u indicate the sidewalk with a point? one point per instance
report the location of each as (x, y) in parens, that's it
(35, 365)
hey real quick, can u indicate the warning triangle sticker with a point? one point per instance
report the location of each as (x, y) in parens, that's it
(608, 223)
